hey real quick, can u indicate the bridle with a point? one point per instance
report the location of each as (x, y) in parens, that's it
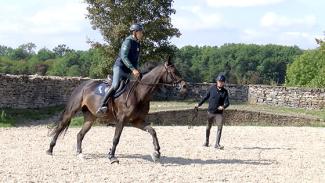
(169, 73)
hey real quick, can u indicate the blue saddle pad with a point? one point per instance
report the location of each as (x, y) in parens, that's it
(102, 89)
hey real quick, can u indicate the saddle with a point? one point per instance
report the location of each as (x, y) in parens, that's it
(104, 86)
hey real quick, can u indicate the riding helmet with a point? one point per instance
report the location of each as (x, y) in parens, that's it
(136, 27)
(221, 77)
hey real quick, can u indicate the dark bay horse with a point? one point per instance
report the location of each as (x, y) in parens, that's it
(131, 107)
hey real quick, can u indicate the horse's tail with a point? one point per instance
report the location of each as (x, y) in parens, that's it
(72, 107)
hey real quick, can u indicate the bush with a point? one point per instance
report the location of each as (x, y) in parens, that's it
(307, 70)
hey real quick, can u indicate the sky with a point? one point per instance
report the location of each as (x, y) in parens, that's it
(48, 23)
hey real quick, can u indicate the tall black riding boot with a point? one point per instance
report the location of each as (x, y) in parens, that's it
(218, 146)
(207, 134)
(104, 102)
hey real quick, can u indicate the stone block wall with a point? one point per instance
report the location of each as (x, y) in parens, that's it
(19, 91)
(22, 91)
(196, 91)
(311, 98)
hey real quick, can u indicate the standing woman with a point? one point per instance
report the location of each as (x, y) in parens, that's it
(126, 63)
(218, 102)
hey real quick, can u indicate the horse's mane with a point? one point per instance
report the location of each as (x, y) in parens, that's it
(148, 66)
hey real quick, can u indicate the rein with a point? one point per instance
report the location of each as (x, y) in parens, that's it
(163, 84)
(138, 81)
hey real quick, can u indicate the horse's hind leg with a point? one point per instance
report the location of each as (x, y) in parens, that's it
(62, 124)
(146, 127)
(88, 122)
(54, 139)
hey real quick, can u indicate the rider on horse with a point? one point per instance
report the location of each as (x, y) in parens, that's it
(126, 62)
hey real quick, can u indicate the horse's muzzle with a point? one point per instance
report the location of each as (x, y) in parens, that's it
(182, 87)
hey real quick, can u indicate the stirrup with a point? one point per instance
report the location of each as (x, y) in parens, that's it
(101, 110)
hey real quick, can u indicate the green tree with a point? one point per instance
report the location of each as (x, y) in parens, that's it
(5, 50)
(74, 71)
(45, 54)
(29, 48)
(58, 67)
(97, 57)
(61, 50)
(113, 19)
(24, 51)
(241, 63)
(308, 69)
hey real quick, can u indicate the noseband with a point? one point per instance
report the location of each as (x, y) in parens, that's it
(172, 76)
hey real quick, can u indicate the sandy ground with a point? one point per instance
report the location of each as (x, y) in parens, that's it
(251, 154)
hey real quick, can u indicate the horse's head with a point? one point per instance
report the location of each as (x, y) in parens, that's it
(171, 75)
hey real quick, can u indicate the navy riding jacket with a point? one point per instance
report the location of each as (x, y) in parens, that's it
(128, 58)
(217, 97)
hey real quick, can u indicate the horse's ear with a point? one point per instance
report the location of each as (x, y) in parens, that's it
(169, 60)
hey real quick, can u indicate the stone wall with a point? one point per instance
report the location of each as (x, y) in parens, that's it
(41, 91)
(312, 98)
(31, 91)
(238, 93)
(35, 91)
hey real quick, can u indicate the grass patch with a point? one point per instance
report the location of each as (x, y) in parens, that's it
(313, 113)
(180, 105)
(11, 117)
(172, 105)
(266, 124)
(176, 105)
(5, 120)
(77, 121)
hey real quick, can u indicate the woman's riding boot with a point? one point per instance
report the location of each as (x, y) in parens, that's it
(104, 102)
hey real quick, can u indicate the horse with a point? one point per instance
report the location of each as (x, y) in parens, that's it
(131, 107)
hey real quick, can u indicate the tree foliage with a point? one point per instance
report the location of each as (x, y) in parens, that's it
(61, 61)
(308, 69)
(113, 19)
(243, 64)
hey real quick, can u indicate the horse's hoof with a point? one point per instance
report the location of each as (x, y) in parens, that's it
(155, 156)
(81, 156)
(205, 145)
(48, 152)
(114, 160)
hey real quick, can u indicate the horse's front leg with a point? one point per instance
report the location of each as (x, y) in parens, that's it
(156, 154)
(118, 131)
(146, 127)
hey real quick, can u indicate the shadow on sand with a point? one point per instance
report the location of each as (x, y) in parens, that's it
(264, 148)
(173, 161)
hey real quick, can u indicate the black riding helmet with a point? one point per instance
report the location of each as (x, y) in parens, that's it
(136, 27)
(221, 78)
